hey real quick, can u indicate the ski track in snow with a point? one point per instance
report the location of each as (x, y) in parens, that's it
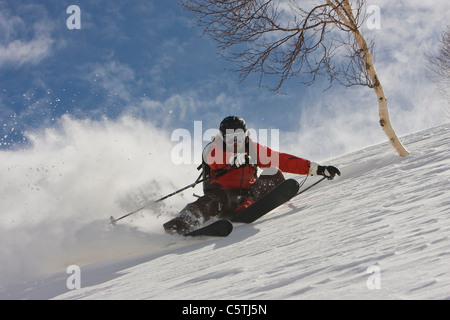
(385, 212)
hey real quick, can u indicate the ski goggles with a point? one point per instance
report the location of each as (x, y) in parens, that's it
(235, 137)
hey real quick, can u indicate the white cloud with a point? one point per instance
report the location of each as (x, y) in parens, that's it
(179, 108)
(114, 77)
(408, 29)
(16, 52)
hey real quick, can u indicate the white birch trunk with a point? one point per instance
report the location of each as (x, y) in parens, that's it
(346, 15)
(382, 100)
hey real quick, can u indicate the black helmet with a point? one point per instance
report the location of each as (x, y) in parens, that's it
(232, 123)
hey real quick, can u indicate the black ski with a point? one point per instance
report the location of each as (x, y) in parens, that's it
(281, 194)
(219, 228)
(222, 228)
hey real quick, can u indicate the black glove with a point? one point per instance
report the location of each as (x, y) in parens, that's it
(328, 171)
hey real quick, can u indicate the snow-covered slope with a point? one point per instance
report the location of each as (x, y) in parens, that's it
(380, 231)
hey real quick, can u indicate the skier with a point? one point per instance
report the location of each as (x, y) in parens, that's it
(231, 163)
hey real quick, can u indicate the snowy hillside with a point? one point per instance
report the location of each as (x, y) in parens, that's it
(380, 231)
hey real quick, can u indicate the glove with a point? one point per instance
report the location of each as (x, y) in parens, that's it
(327, 171)
(239, 160)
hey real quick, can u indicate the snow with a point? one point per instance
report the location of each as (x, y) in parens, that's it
(380, 231)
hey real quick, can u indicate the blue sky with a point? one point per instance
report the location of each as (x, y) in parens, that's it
(146, 59)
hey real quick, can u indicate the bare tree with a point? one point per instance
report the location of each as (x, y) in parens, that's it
(281, 39)
(439, 63)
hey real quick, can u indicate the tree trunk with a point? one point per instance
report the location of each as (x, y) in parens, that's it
(346, 15)
(382, 100)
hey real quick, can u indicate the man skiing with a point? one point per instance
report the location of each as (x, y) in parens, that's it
(230, 164)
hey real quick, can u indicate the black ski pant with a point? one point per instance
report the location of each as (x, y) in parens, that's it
(222, 202)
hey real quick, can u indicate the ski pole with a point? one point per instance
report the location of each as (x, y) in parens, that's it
(315, 183)
(192, 185)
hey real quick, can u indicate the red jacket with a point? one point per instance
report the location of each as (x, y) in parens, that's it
(260, 156)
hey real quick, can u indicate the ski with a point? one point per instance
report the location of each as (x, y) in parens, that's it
(219, 228)
(276, 197)
(279, 195)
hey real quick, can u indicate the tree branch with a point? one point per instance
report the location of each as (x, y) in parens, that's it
(279, 41)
